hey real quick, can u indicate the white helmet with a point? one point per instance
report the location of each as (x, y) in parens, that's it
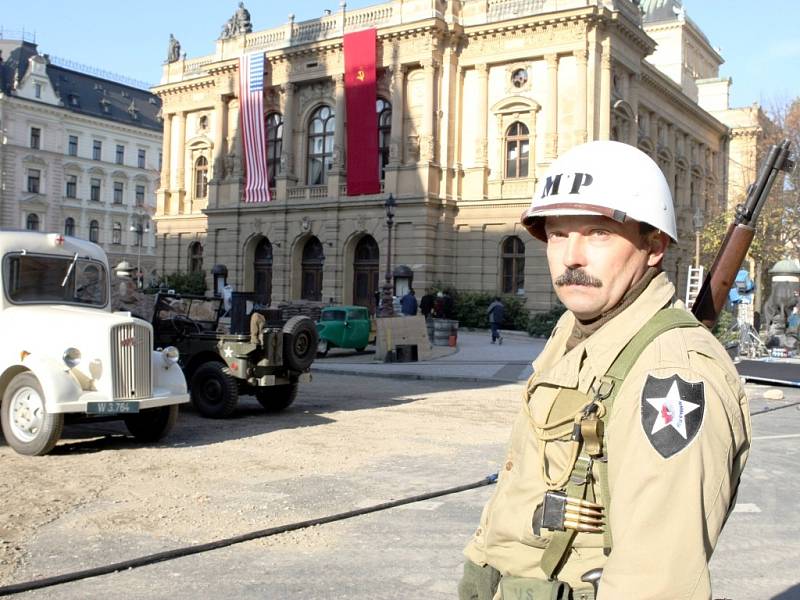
(611, 179)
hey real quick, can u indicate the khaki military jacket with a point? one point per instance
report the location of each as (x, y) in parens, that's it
(668, 503)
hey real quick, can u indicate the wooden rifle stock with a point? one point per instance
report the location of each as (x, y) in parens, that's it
(720, 279)
(714, 292)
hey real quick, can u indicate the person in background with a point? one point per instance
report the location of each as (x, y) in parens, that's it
(497, 314)
(408, 303)
(426, 304)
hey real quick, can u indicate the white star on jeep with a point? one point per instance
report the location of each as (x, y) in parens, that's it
(229, 352)
(672, 410)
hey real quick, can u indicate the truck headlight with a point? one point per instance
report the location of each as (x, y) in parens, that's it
(171, 355)
(72, 357)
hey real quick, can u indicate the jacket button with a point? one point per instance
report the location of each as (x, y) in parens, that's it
(478, 531)
(509, 465)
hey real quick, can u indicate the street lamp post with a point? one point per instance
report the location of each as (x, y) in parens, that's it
(387, 301)
(140, 230)
(698, 222)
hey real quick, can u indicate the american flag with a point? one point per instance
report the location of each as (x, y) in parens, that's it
(251, 116)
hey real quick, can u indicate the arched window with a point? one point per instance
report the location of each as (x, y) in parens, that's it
(69, 226)
(195, 257)
(384, 110)
(513, 265)
(201, 177)
(94, 231)
(517, 150)
(32, 223)
(320, 145)
(274, 145)
(116, 233)
(313, 258)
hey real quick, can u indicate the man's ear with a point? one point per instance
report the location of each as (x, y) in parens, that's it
(657, 243)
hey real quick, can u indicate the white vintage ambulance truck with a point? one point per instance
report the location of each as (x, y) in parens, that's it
(65, 355)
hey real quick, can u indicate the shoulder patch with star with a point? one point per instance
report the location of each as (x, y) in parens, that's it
(672, 413)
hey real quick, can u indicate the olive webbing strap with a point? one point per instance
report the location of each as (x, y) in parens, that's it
(557, 550)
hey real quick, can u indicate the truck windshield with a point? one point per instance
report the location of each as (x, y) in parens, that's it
(38, 278)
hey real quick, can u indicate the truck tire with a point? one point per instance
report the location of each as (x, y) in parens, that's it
(299, 343)
(277, 397)
(152, 424)
(214, 393)
(27, 426)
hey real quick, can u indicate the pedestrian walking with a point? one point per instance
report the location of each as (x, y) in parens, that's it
(408, 303)
(497, 314)
(636, 512)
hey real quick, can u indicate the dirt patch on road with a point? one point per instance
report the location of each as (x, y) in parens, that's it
(213, 479)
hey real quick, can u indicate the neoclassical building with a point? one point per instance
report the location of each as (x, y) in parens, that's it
(79, 154)
(475, 99)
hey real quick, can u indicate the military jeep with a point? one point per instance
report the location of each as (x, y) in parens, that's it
(251, 353)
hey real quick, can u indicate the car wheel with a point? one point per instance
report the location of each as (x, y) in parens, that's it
(27, 426)
(152, 424)
(214, 393)
(299, 342)
(361, 349)
(322, 347)
(277, 397)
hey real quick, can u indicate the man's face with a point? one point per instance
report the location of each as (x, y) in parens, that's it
(594, 260)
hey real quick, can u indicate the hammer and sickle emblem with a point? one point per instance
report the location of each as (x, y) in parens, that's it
(361, 76)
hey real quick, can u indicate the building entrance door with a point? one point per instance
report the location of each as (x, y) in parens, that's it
(365, 273)
(262, 268)
(313, 259)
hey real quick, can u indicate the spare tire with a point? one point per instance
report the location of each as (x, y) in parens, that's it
(299, 343)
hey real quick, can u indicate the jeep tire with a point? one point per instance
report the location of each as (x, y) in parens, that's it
(277, 397)
(214, 393)
(27, 426)
(152, 424)
(299, 343)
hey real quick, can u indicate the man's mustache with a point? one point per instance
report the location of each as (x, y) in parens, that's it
(577, 277)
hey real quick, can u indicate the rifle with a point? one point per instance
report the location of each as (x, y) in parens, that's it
(714, 291)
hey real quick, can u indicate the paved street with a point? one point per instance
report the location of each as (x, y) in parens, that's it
(348, 442)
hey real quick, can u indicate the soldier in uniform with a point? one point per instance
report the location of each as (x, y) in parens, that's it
(634, 428)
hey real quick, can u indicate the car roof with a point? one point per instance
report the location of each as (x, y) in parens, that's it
(345, 307)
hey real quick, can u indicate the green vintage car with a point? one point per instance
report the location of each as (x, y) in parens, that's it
(343, 327)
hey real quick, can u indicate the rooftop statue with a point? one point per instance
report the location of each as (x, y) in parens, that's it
(238, 24)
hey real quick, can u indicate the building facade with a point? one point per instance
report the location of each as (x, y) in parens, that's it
(79, 155)
(475, 100)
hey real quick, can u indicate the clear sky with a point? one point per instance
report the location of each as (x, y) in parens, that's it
(758, 40)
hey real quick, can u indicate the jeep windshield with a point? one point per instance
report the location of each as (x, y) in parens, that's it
(49, 279)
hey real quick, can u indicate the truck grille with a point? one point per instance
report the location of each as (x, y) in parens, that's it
(130, 361)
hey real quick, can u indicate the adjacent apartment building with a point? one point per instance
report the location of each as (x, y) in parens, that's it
(79, 155)
(475, 99)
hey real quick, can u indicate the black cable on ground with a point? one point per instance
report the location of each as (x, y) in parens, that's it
(774, 408)
(150, 559)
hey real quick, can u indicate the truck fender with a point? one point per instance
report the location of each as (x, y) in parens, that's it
(58, 385)
(166, 377)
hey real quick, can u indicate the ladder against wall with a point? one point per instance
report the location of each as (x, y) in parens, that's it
(693, 283)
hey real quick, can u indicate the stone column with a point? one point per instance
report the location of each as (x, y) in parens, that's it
(341, 117)
(397, 99)
(220, 125)
(287, 158)
(551, 135)
(481, 143)
(633, 100)
(397, 91)
(426, 148)
(337, 174)
(163, 197)
(286, 176)
(180, 183)
(605, 94)
(581, 106)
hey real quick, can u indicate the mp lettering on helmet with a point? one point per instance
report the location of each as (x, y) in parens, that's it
(555, 184)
